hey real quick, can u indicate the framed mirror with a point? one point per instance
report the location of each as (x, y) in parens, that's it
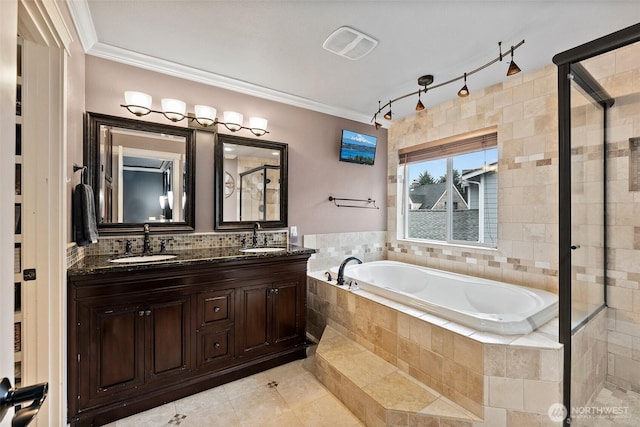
(141, 172)
(250, 182)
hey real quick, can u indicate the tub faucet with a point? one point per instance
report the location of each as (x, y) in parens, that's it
(340, 278)
(146, 246)
(254, 239)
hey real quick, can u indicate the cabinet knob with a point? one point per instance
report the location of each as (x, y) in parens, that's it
(141, 313)
(147, 312)
(216, 309)
(216, 345)
(275, 291)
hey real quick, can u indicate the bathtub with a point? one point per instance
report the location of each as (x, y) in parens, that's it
(481, 304)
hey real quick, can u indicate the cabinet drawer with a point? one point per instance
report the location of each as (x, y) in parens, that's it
(215, 346)
(215, 306)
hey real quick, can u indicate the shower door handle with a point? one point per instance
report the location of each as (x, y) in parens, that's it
(574, 247)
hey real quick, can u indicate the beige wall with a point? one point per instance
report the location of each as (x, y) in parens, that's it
(314, 170)
(524, 108)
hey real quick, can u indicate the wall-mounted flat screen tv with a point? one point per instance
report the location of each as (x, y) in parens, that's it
(358, 148)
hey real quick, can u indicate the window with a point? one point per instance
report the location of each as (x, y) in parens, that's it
(451, 190)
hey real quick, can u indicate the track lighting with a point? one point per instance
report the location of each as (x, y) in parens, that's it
(464, 90)
(420, 105)
(513, 68)
(139, 103)
(388, 114)
(427, 80)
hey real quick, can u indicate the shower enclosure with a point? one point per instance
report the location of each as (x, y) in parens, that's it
(593, 105)
(259, 194)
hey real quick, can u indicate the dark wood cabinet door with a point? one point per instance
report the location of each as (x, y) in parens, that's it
(287, 312)
(169, 341)
(255, 323)
(111, 358)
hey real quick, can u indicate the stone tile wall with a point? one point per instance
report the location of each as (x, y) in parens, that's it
(524, 109)
(332, 249)
(619, 74)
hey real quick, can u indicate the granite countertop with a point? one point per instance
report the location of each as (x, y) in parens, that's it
(101, 263)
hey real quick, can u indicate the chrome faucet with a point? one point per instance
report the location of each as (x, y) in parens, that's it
(146, 246)
(254, 239)
(340, 278)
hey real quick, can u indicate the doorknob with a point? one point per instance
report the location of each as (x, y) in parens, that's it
(10, 397)
(574, 247)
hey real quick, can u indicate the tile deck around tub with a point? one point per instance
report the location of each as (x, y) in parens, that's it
(376, 391)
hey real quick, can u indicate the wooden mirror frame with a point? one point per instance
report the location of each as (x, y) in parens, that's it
(220, 223)
(93, 121)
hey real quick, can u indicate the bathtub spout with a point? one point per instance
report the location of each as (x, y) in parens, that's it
(340, 278)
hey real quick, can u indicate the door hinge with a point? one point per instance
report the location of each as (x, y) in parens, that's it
(29, 274)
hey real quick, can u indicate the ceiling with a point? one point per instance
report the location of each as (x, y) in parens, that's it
(273, 49)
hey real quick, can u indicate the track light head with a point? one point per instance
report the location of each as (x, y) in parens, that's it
(513, 68)
(419, 105)
(388, 115)
(464, 90)
(377, 125)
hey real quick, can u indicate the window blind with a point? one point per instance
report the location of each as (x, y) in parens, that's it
(472, 141)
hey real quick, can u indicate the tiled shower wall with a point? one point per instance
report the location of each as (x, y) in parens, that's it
(524, 109)
(619, 73)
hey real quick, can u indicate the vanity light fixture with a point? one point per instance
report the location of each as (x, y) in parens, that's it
(139, 103)
(427, 80)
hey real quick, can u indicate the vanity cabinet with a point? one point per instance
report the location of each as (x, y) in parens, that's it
(140, 338)
(271, 315)
(129, 343)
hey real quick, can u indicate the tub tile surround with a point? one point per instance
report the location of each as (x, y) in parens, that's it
(376, 391)
(501, 380)
(333, 248)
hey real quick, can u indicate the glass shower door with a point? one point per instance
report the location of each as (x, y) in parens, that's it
(587, 203)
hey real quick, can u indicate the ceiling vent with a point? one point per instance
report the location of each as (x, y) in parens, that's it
(349, 43)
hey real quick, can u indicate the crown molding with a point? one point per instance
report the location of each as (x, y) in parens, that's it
(81, 16)
(89, 39)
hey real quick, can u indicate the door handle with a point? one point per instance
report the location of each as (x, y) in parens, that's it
(574, 247)
(10, 397)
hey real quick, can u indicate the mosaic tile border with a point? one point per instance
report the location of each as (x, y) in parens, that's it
(114, 245)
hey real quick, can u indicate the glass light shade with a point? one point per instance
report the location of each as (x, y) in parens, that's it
(419, 105)
(174, 109)
(464, 91)
(258, 125)
(170, 198)
(233, 120)
(205, 115)
(137, 102)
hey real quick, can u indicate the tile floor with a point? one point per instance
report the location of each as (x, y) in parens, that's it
(626, 405)
(291, 396)
(285, 396)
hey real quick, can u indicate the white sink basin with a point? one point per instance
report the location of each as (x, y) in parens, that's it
(143, 258)
(261, 250)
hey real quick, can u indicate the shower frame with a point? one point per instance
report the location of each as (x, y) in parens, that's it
(568, 68)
